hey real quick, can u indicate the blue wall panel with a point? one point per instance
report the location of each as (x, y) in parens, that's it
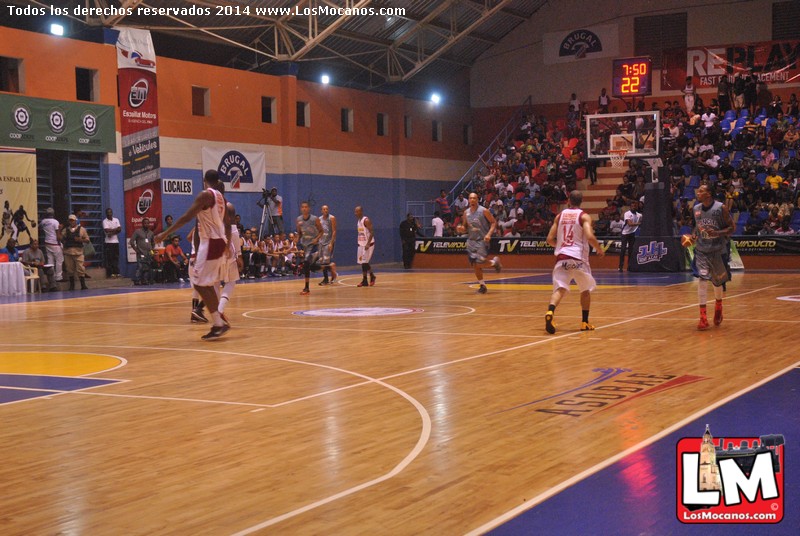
(383, 200)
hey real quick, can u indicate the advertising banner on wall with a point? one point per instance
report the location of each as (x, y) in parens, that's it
(138, 104)
(50, 124)
(241, 171)
(767, 245)
(18, 196)
(580, 44)
(774, 62)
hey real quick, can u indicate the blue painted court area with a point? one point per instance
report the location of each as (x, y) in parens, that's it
(604, 277)
(16, 387)
(637, 495)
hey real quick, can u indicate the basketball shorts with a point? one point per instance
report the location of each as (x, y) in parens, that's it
(325, 253)
(477, 251)
(311, 253)
(711, 267)
(365, 253)
(568, 270)
(192, 279)
(229, 271)
(206, 271)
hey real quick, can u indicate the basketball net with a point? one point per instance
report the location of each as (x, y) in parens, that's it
(617, 157)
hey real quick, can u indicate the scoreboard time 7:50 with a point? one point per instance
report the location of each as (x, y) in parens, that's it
(632, 77)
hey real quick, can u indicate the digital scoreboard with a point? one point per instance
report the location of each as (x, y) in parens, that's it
(632, 77)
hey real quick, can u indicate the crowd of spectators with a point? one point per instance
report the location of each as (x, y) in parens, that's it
(746, 154)
(528, 179)
(743, 144)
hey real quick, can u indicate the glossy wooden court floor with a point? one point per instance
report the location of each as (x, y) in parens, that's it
(435, 419)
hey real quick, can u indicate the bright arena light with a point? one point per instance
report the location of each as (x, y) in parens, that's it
(56, 29)
(326, 79)
(436, 98)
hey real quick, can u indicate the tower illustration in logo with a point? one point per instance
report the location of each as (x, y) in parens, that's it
(709, 470)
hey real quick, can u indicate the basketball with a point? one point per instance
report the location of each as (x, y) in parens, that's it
(687, 240)
(33, 224)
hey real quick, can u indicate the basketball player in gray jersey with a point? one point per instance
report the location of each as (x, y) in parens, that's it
(480, 226)
(326, 245)
(309, 231)
(713, 228)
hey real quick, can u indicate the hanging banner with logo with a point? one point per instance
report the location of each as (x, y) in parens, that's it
(241, 171)
(18, 196)
(138, 105)
(50, 124)
(581, 44)
(774, 62)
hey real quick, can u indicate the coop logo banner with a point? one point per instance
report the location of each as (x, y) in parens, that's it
(31, 123)
(241, 171)
(731, 479)
(581, 43)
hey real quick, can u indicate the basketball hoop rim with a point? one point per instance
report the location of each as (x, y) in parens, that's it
(617, 156)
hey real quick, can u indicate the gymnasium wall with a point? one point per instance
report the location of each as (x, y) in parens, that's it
(317, 162)
(507, 73)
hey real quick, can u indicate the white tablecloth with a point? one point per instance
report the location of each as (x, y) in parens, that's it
(12, 279)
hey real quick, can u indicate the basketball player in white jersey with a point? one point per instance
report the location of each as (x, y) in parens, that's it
(231, 265)
(366, 247)
(197, 304)
(571, 235)
(214, 232)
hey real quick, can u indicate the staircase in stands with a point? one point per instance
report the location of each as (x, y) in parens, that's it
(595, 195)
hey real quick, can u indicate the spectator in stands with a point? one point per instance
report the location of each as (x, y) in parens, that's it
(602, 102)
(438, 225)
(34, 257)
(708, 118)
(784, 228)
(774, 218)
(11, 250)
(178, 264)
(724, 94)
(773, 179)
(790, 139)
(601, 226)
(793, 106)
(575, 102)
(738, 91)
(689, 94)
(775, 106)
(751, 92)
(444, 206)
(754, 223)
(616, 225)
(765, 229)
(460, 204)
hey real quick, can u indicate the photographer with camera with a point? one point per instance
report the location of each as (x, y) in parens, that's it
(275, 204)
